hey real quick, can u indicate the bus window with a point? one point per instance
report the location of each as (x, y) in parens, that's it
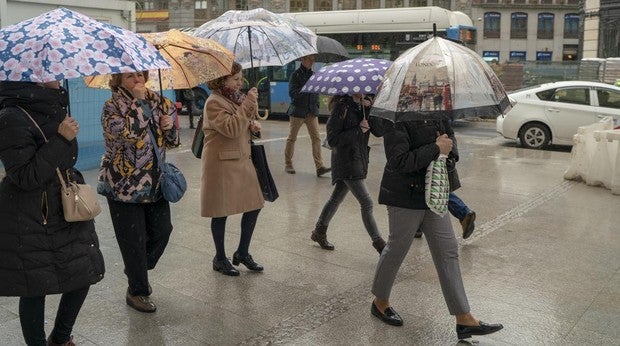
(282, 73)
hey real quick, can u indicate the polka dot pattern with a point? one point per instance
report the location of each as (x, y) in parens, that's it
(353, 76)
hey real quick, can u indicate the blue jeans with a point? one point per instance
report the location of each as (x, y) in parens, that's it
(360, 192)
(457, 207)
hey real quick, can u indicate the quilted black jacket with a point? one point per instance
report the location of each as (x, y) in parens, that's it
(409, 148)
(40, 253)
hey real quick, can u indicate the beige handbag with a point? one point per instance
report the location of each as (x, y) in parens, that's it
(79, 201)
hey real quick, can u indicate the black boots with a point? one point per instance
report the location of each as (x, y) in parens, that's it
(319, 236)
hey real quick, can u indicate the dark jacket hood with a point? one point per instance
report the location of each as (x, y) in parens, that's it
(52, 103)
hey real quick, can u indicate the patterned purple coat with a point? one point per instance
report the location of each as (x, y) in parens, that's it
(129, 172)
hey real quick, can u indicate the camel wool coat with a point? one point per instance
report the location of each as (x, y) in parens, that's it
(229, 184)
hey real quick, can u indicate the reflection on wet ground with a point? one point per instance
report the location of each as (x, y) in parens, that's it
(544, 260)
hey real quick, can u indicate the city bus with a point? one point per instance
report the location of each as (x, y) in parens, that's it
(375, 33)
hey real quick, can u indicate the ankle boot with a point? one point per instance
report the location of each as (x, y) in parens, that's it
(379, 244)
(319, 236)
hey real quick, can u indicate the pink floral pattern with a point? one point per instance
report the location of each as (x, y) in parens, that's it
(63, 44)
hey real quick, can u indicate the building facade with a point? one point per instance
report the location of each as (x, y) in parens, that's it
(508, 30)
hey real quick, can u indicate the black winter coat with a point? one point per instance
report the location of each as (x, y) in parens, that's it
(409, 148)
(349, 144)
(40, 253)
(302, 104)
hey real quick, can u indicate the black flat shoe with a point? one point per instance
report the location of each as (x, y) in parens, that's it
(390, 316)
(247, 261)
(464, 332)
(468, 224)
(224, 267)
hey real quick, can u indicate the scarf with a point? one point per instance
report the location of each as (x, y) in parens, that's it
(235, 96)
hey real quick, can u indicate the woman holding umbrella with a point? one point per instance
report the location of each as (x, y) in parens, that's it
(42, 253)
(348, 132)
(129, 178)
(410, 147)
(229, 184)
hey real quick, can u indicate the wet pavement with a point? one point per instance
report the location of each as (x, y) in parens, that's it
(544, 260)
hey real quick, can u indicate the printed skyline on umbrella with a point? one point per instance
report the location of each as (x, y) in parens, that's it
(63, 44)
(439, 78)
(353, 76)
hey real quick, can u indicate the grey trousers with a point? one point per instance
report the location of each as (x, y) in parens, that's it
(443, 247)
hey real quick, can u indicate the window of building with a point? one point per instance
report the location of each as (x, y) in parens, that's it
(145, 5)
(417, 3)
(571, 25)
(543, 56)
(200, 4)
(545, 25)
(299, 6)
(518, 25)
(569, 52)
(160, 5)
(394, 3)
(517, 56)
(241, 5)
(347, 4)
(518, 1)
(371, 4)
(489, 55)
(491, 24)
(322, 5)
(546, 2)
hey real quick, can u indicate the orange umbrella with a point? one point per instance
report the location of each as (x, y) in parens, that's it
(194, 61)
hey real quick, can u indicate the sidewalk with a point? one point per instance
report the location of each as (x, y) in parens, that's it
(544, 260)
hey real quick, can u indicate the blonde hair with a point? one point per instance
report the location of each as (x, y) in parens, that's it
(116, 79)
(219, 83)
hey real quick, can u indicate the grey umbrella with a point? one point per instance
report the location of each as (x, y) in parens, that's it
(330, 50)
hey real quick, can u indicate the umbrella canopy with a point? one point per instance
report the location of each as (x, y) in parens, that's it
(194, 60)
(330, 50)
(260, 38)
(439, 78)
(354, 76)
(63, 44)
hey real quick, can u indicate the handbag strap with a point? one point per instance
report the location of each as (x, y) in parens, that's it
(34, 122)
(62, 181)
(160, 163)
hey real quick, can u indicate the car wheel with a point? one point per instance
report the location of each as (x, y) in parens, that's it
(534, 136)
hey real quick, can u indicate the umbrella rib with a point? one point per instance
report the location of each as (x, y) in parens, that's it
(272, 45)
(175, 61)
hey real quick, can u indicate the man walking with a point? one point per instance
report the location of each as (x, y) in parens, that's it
(304, 109)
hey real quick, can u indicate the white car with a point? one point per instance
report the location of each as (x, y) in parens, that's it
(552, 112)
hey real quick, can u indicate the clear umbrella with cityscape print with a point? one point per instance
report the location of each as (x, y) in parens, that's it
(439, 78)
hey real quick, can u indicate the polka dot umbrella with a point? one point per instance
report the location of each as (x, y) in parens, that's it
(353, 76)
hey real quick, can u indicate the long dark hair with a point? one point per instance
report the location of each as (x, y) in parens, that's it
(335, 99)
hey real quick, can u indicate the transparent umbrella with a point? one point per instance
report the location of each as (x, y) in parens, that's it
(439, 78)
(260, 38)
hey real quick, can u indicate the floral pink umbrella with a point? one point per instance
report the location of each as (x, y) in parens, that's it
(63, 44)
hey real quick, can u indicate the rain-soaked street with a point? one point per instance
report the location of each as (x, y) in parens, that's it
(544, 260)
